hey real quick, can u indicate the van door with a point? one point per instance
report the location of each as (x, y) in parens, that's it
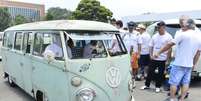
(49, 77)
(15, 57)
(8, 41)
(26, 62)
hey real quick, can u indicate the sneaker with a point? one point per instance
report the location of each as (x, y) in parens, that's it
(186, 96)
(173, 100)
(158, 90)
(144, 87)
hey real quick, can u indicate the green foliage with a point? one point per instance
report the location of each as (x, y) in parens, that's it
(19, 19)
(56, 13)
(91, 10)
(4, 19)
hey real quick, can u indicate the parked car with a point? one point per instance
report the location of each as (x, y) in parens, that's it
(172, 26)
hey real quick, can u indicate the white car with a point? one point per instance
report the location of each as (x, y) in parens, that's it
(172, 26)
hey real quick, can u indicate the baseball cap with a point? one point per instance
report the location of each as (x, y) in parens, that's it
(131, 24)
(160, 23)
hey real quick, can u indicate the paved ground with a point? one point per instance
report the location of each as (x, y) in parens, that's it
(16, 94)
(150, 95)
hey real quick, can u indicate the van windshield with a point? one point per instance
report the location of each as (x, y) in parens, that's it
(92, 45)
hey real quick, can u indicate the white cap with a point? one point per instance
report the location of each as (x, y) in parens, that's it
(141, 26)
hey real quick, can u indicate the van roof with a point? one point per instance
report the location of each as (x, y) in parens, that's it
(71, 25)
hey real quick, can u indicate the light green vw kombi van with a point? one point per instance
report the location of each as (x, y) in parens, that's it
(67, 60)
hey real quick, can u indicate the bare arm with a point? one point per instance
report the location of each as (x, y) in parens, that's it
(151, 52)
(169, 54)
(139, 50)
(196, 58)
(166, 47)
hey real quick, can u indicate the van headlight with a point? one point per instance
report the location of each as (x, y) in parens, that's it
(86, 94)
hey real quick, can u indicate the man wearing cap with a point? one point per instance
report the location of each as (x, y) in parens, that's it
(133, 43)
(144, 54)
(187, 49)
(157, 64)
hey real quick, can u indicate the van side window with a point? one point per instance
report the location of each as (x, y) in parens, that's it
(5, 39)
(8, 39)
(38, 42)
(48, 42)
(26, 47)
(18, 41)
(1, 36)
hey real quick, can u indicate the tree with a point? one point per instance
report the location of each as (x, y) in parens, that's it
(91, 10)
(19, 19)
(56, 13)
(4, 19)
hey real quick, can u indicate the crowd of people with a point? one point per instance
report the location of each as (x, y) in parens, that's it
(150, 55)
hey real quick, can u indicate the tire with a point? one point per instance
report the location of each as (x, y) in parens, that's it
(10, 81)
(39, 96)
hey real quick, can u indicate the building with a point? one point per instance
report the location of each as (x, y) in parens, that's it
(195, 14)
(33, 12)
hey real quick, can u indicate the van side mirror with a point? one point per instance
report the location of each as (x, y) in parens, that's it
(49, 56)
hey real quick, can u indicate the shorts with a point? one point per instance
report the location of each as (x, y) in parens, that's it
(144, 60)
(180, 75)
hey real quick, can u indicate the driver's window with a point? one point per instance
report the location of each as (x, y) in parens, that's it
(83, 49)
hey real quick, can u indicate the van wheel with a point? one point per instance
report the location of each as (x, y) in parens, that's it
(10, 81)
(39, 96)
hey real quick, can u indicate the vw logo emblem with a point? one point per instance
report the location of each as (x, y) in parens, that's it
(113, 77)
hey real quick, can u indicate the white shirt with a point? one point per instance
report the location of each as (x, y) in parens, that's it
(179, 32)
(57, 50)
(114, 41)
(187, 44)
(88, 51)
(132, 40)
(157, 42)
(145, 43)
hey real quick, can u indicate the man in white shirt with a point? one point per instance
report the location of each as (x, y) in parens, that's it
(144, 55)
(157, 65)
(54, 47)
(187, 52)
(89, 49)
(181, 20)
(132, 40)
(133, 43)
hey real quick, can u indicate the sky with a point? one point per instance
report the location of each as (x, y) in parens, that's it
(121, 8)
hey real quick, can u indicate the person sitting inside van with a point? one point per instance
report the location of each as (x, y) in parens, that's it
(69, 46)
(89, 49)
(54, 47)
